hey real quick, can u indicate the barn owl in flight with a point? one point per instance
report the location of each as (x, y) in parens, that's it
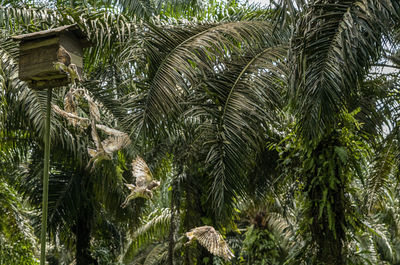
(212, 240)
(144, 182)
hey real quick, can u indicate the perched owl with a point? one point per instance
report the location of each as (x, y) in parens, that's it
(64, 64)
(144, 182)
(212, 240)
(74, 73)
(63, 56)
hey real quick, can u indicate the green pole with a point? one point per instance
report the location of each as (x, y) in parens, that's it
(45, 180)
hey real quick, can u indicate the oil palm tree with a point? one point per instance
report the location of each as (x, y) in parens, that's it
(211, 88)
(219, 77)
(333, 49)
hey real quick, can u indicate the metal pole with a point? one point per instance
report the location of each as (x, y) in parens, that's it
(45, 180)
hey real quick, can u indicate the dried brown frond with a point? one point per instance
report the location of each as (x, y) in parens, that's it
(110, 131)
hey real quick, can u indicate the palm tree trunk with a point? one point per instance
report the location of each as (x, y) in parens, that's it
(192, 218)
(329, 221)
(329, 242)
(83, 230)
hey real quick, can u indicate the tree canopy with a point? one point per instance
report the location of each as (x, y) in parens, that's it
(207, 132)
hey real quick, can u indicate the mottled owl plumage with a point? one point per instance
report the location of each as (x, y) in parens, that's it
(144, 182)
(70, 106)
(99, 153)
(212, 240)
(64, 64)
(116, 140)
(63, 56)
(104, 149)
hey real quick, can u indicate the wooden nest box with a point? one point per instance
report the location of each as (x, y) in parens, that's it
(40, 50)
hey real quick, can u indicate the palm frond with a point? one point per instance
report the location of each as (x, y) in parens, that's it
(382, 170)
(25, 20)
(155, 227)
(140, 8)
(333, 49)
(157, 256)
(288, 11)
(175, 58)
(237, 105)
(17, 239)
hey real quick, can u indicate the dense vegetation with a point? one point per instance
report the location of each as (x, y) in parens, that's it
(278, 125)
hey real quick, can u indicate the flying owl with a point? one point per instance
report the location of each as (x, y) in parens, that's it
(104, 149)
(144, 182)
(116, 140)
(212, 240)
(99, 153)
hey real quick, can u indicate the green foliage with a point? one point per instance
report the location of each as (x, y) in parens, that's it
(325, 170)
(266, 120)
(155, 227)
(17, 241)
(260, 247)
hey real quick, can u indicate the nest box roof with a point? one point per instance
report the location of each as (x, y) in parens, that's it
(74, 29)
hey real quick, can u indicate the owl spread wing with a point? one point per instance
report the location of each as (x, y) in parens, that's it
(130, 186)
(73, 118)
(111, 131)
(116, 141)
(99, 154)
(94, 116)
(141, 172)
(92, 152)
(144, 182)
(212, 240)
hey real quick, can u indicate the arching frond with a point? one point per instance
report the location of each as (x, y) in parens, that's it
(382, 169)
(177, 55)
(333, 49)
(139, 8)
(155, 227)
(17, 240)
(237, 106)
(157, 256)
